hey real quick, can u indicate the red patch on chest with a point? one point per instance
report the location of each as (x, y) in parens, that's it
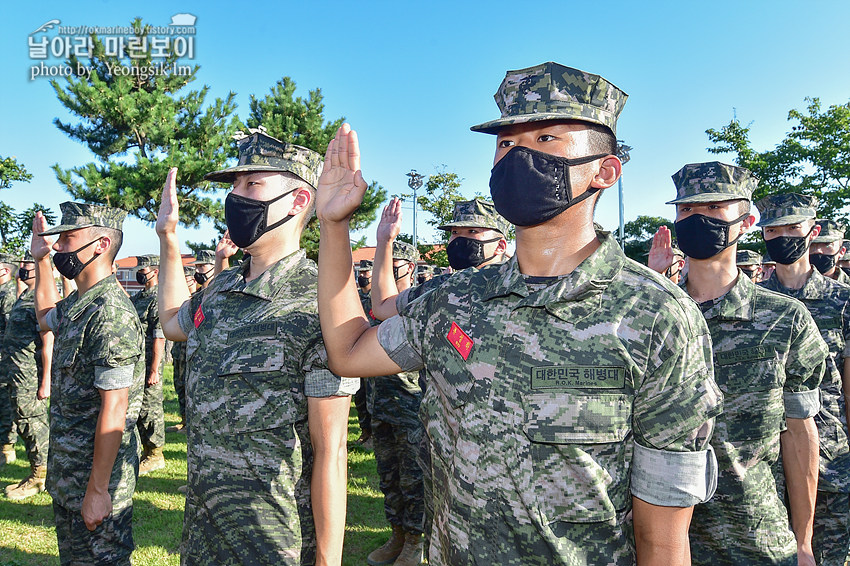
(199, 316)
(459, 340)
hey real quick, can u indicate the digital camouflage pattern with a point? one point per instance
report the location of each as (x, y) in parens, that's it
(550, 91)
(712, 182)
(410, 294)
(747, 257)
(827, 301)
(8, 291)
(403, 250)
(147, 260)
(111, 543)
(178, 360)
(151, 423)
(786, 208)
(261, 152)
(204, 257)
(21, 351)
(476, 213)
(254, 354)
(830, 231)
(768, 362)
(97, 337)
(400, 474)
(537, 401)
(841, 276)
(77, 215)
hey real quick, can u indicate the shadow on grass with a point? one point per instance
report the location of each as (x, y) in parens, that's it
(15, 557)
(154, 526)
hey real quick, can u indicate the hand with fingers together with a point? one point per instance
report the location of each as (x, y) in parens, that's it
(169, 211)
(39, 245)
(225, 249)
(661, 252)
(341, 185)
(390, 224)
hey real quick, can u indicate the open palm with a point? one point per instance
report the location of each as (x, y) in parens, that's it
(341, 185)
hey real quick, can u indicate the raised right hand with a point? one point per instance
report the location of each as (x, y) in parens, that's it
(225, 248)
(169, 211)
(661, 252)
(341, 185)
(390, 224)
(39, 245)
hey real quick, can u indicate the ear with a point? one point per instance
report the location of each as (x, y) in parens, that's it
(609, 172)
(102, 245)
(747, 223)
(841, 252)
(815, 231)
(501, 246)
(303, 198)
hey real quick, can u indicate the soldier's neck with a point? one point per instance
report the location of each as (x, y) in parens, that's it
(556, 247)
(268, 253)
(795, 275)
(711, 278)
(93, 274)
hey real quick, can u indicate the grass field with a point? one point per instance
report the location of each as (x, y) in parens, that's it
(28, 538)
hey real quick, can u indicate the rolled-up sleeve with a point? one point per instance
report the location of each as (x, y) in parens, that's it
(393, 338)
(802, 404)
(673, 479)
(107, 378)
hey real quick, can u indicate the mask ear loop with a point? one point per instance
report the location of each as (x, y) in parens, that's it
(729, 227)
(94, 257)
(283, 220)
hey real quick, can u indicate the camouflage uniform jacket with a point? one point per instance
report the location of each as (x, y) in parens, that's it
(547, 410)
(21, 347)
(8, 291)
(768, 362)
(98, 344)
(828, 300)
(842, 277)
(412, 293)
(254, 354)
(146, 307)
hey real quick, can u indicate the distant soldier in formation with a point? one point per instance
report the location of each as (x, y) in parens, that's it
(828, 249)
(364, 419)
(788, 226)
(178, 360)
(96, 385)
(8, 296)
(844, 261)
(27, 352)
(151, 423)
(749, 262)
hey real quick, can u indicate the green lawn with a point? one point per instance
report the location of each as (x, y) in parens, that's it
(27, 536)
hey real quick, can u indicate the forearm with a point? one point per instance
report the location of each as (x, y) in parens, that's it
(221, 263)
(661, 534)
(384, 289)
(341, 315)
(172, 291)
(158, 353)
(107, 437)
(800, 460)
(46, 295)
(46, 360)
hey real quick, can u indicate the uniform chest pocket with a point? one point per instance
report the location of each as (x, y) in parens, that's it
(262, 392)
(578, 449)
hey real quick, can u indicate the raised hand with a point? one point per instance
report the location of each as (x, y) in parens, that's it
(390, 224)
(169, 211)
(341, 185)
(661, 252)
(39, 245)
(225, 249)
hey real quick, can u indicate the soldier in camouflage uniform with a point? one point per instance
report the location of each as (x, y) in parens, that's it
(768, 361)
(151, 423)
(788, 226)
(27, 352)
(844, 261)
(364, 419)
(96, 385)
(570, 395)
(397, 432)
(8, 295)
(827, 249)
(178, 354)
(266, 420)
(749, 262)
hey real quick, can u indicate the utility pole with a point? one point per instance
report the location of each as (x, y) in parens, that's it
(623, 153)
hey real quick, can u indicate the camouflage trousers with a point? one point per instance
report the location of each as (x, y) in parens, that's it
(360, 398)
(7, 415)
(151, 423)
(831, 529)
(111, 543)
(179, 362)
(396, 453)
(31, 416)
(424, 460)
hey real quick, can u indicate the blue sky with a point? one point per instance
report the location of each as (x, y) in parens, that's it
(412, 78)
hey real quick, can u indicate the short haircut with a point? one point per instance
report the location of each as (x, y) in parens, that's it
(744, 206)
(116, 238)
(600, 139)
(291, 182)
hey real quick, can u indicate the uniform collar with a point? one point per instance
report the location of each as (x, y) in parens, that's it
(738, 303)
(271, 282)
(591, 277)
(80, 304)
(814, 287)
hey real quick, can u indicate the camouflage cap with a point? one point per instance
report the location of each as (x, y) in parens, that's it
(8, 258)
(436, 270)
(403, 250)
(147, 260)
(188, 270)
(846, 245)
(786, 208)
(76, 215)
(765, 260)
(712, 182)
(747, 257)
(365, 265)
(261, 152)
(204, 257)
(476, 213)
(27, 257)
(550, 91)
(676, 252)
(830, 231)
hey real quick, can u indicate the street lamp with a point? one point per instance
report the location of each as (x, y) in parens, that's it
(623, 153)
(414, 182)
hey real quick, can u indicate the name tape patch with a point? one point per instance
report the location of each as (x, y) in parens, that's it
(252, 330)
(578, 377)
(199, 316)
(460, 341)
(742, 355)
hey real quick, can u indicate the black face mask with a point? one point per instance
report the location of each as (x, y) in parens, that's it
(787, 249)
(142, 278)
(25, 274)
(421, 279)
(68, 263)
(751, 273)
(702, 237)
(363, 281)
(466, 252)
(823, 262)
(201, 278)
(395, 272)
(530, 187)
(247, 218)
(669, 273)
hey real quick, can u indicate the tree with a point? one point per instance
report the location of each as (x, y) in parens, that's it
(16, 229)
(813, 158)
(138, 124)
(638, 233)
(302, 122)
(11, 170)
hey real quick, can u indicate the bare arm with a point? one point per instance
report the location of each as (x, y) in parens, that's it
(172, 291)
(46, 295)
(353, 347)
(156, 359)
(384, 288)
(97, 503)
(328, 421)
(661, 533)
(845, 387)
(46, 365)
(800, 460)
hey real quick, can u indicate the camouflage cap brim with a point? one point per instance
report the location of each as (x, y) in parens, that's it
(827, 239)
(64, 228)
(468, 224)
(707, 197)
(229, 175)
(493, 126)
(784, 220)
